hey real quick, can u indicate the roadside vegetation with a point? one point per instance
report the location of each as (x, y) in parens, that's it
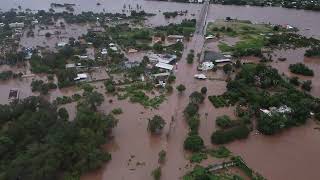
(38, 142)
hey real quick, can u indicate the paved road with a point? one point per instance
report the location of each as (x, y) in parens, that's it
(201, 22)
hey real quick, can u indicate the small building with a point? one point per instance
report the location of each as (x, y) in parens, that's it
(163, 58)
(81, 77)
(206, 66)
(104, 51)
(68, 66)
(62, 44)
(161, 78)
(164, 66)
(14, 94)
(130, 64)
(211, 56)
(16, 25)
(178, 38)
(34, 22)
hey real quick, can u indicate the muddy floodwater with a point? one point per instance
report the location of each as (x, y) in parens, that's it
(292, 154)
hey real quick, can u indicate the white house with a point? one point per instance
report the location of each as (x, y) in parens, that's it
(82, 76)
(164, 66)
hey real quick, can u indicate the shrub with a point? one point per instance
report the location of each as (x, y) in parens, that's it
(198, 157)
(196, 97)
(162, 156)
(224, 122)
(225, 136)
(63, 113)
(295, 81)
(307, 85)
(204, 90)
(220, 152)
(193, 143)
(181, 88)
(156, 124)
(156, 174)
(117, 111)
(191, 110)
(300, 68)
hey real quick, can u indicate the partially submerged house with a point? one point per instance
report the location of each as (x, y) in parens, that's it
(14, 94)
(282, 110)
(161, 78)
(81, 77)
(164, 66)
(163, 58)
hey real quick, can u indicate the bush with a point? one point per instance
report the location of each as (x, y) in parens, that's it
(181, 88)
(204, 90)
(162, 156)
(227, 68)
(218, 101)
(224, 122)
(220, 152)
(307, 85)
(191, 110)
(156, 174)
(300, 68)
(193, 143)
(196, 97)
(63, 113)
(226, 136)
(156, 124)
(295, 81)
(198, 157)
(117, 111)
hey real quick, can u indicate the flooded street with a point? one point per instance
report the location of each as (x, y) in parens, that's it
(289, 155)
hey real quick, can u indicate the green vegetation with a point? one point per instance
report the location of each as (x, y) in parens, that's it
(258, 87)
(40, 86)
(162, 156)
(136, 94)
(218, 101)
(201, 173)
(294, 81)
(251, 36)
(38, 143)
(185, 28)
(220, 152)
(313, 52)
(300, 68)
(156, 124)
(224, 122)
(117, 111)
(307, 85)
(193, 143)
(196, 97)
(181, 88)
(5, 75)
(198, 157)
(156, 173)
(228, 135)
(204, 90)
(190, 57)
(63, 113)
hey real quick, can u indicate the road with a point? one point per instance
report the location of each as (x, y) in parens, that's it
(201, 21)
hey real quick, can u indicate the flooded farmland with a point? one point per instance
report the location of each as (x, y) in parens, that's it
(289, 155)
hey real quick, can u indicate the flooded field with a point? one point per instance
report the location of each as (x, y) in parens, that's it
(290, 155)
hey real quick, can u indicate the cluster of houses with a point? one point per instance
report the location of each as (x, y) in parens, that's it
(165, 64)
